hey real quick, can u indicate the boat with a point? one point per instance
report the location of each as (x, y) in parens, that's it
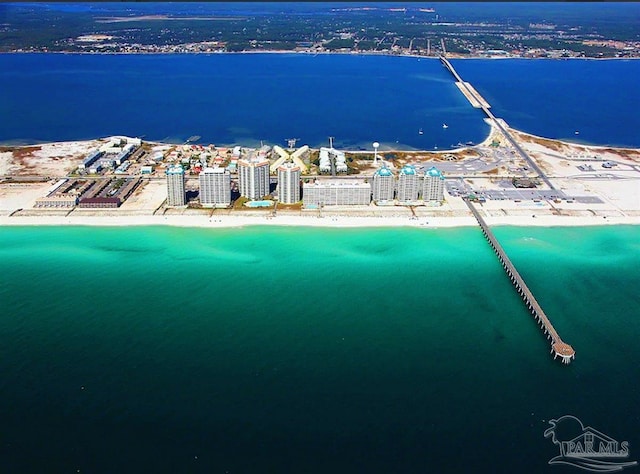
(444, 125)
(577, 132)
(420, 132)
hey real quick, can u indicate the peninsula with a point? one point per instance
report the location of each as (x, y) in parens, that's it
(600, 186)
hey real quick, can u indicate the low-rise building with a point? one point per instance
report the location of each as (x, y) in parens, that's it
(95, 169)
(99, 202)
(66, 193)
(90, 159)
(109, 193)
(128, 149)
(57, 201)
(329, 156)
(123, 168)
(336, 192)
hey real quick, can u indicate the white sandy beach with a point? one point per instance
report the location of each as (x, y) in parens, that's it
(342, 221)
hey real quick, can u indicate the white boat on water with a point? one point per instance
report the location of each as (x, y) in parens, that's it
(444, 125)
(420, 132)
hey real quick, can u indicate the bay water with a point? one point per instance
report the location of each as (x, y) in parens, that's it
(230, 99)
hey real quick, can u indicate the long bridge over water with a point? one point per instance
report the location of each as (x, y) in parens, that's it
(559, 348)
(478, 101)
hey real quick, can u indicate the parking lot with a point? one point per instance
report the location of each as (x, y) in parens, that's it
(457, 187)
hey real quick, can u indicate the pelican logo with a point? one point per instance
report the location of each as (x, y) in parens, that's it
(585, 447)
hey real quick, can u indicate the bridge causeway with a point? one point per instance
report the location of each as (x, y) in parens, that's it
(476, 99)
(559, 348)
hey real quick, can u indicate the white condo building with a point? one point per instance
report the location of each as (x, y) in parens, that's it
(288, 183)
(215, 187)
(176, 195)
(383, 184)
(408, 184)
(336, 192)
(433, 185)
(329, 154)
(253, 177)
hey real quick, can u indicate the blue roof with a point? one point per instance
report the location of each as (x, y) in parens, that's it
(175, 169)
(384, 171)
(434, 172)
(408, 170)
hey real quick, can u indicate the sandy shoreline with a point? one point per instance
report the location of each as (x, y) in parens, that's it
(219, 222)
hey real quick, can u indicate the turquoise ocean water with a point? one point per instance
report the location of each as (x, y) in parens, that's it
(309, 350)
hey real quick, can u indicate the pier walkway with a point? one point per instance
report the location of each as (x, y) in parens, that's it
(558, 347)
(478, 101)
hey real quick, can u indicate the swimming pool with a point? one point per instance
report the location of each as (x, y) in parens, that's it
(264, 203)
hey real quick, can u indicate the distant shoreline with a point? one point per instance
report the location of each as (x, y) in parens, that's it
(314, 53)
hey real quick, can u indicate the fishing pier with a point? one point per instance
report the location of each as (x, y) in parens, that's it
(559, 348)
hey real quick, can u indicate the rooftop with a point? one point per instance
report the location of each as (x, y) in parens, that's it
(175, 169)
(434, 172)
(408, 170)
(383, 171)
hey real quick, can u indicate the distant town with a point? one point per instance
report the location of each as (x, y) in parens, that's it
(393, 30)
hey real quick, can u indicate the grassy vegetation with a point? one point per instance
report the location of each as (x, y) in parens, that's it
(238, 204)
(336, 44)
(290, 207)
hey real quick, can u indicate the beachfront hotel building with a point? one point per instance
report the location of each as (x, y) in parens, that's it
(408, 185)
(215, 187)
(176, 195)
(433, 185)
(383, 185)
(288, 183)
(336, 192)
(253, 177)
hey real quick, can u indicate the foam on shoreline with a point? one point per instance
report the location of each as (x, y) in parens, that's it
(219, 222)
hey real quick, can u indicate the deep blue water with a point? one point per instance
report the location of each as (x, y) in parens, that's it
(242, 99)
(556, 98)
(228, 99)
